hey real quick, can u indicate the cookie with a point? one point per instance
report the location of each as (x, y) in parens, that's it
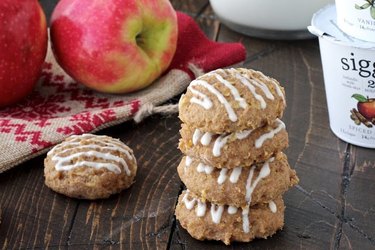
(228, 100)
(90, 167)
(208, 221)
(234, 149)
(236, 187)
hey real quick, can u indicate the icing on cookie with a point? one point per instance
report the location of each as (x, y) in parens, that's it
(243, 134)
(219, 143)
(277, 86)
(264, 172)
(235, 175)
(216, 213)
(251, 88)
(206, 138)
(188, 161)
(197, 134)
(201, 99)
(222, 176)
(234, 91)
(201, 208)
(221, 140)
(202, 168)
(272, 206)
(232, 210)
(259, 142)
(231, 114)
(245, 219)
(189, 204)
(95, 145)
(250, 83)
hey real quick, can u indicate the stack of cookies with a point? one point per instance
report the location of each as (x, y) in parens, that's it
(234, 169)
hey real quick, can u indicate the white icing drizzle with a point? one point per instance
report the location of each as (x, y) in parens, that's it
(243, 134)
(216, 213)
(206, 138)
(201, 99)
(219, 143)
(61, 162)
(222, 176)
(259, 142)
(222, 71)
(197, 134)
(264, 172)
(94, 146)
(272, 206)
(264, 88)
(247, 83)
(189, 204)
(232, 209)
(245, 219)
(188, 161)
(201, 209)
(235, 175)
(231, 114)
(204, 168)
(236, 95)
(233, 178)
(277, 86)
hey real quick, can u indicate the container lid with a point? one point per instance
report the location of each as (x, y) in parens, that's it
(324, 25)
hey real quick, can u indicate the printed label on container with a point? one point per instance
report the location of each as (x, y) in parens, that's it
(357, 18)
(349, 76)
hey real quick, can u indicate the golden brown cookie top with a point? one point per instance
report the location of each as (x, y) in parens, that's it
(92, 151)
(227, 100)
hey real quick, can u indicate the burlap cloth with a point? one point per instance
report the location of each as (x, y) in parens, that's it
(60, 107)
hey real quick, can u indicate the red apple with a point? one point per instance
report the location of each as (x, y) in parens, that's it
(366, 106)
(114, 46)
(367, 109)
(23, 47)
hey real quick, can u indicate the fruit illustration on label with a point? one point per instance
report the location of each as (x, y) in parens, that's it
(368, 4)
(365, 112)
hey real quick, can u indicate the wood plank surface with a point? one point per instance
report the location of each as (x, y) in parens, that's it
(333, 207)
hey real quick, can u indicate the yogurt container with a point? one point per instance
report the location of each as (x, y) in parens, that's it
(286, 19)
(349, 78)
(357, 18)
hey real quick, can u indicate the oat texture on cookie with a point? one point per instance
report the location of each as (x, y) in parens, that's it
(90, 167)
(234, 169)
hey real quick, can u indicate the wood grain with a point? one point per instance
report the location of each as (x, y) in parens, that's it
(333, 207)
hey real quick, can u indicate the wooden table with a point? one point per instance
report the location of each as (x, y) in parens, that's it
(332, 207)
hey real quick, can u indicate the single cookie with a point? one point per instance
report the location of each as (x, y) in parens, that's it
(207, 221)
(234, 149)
(228, 100)
(256, 184)
(90, 167)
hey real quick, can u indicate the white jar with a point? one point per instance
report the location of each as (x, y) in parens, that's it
(283, 19)
(357, 18)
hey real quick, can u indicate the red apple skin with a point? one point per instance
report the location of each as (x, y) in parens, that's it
(367, 109)
(114, 46)
(23, 47)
